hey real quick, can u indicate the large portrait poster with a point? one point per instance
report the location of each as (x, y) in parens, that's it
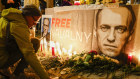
(111, 31)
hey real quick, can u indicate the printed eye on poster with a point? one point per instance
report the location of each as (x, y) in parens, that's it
(46, 26)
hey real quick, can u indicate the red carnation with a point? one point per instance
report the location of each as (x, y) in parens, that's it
(93, 51)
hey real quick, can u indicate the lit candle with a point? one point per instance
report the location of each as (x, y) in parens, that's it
(50, 49)
(41, 45)
(70, 51)
(70, 55)
(59, 51)
(57, 48)
(53, 48)
(64, 51)
(53, 53)
(45, 44)
(130, 58)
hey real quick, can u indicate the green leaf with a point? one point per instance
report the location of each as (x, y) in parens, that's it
(88, 57)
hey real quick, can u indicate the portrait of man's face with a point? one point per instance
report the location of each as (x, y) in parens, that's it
(46, 25)
(113, 30)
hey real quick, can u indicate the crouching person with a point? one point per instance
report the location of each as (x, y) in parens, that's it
(18, 22)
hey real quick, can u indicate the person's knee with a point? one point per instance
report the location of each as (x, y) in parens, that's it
(36, 43)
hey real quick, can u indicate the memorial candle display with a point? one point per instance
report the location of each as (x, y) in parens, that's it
(56, 50)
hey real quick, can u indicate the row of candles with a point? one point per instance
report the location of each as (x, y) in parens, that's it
(53, 49)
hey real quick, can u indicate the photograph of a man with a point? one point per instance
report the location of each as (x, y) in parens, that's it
(46, 23)
(114, 28)
(46, 26)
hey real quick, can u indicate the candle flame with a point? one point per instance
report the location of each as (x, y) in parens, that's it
(52, 44)
(70, 50)
(59, 51)
(64, 50)
(44, 40)
(74, 52)
(130, 54)
(34, 28)
(70, 54)
(57, 44)
(41, 42)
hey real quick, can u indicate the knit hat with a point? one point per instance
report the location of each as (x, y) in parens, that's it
(31, 10)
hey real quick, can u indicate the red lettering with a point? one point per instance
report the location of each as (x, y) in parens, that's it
(57, 22)
(68, 23)
(53, 21)
(63, 22)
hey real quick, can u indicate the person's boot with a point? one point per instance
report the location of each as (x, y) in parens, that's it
(20, 67)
